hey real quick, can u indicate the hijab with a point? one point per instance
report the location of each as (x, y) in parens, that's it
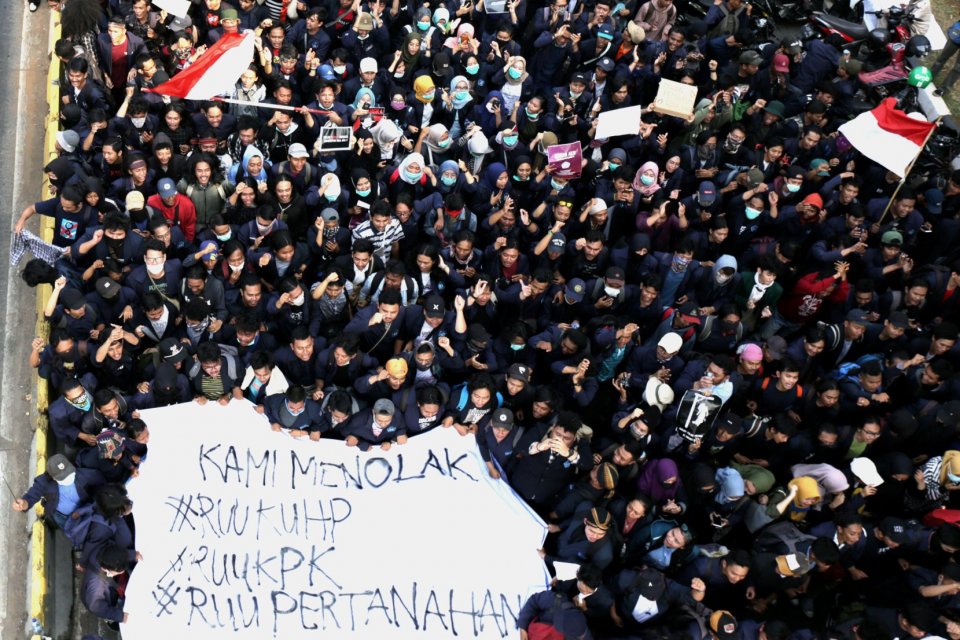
(730, 484)
(761, 479)
(830, 479)
(951, 464)
(523, 76)
(422, 86)
(638, 185)
(652, 477)
(434, 133)
(457, 103)
(64, 170)
(410, 158)
(360, 94)
(490, 175)
(807, 488)
(410, 61)
(447, 165)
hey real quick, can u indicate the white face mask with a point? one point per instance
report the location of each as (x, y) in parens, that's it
(68, 480)
(155, 269)
(723, 278)
(237, 267)
(298, 301)
(138, 122)
(613, 292)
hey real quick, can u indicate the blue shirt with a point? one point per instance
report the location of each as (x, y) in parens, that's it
(69, 498)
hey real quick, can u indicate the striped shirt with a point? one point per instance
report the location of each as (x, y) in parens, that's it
(382, 242)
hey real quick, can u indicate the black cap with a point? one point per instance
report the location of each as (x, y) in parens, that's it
(72, 299)
(502, 419)
(519, 372)
(172, 351)
(434, 307)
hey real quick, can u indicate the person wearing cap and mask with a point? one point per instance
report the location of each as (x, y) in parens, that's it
(496, 441)
(608, 295)
(380, 425)
(647, 595)
(61, 489)
(67, 308)
(590, 540)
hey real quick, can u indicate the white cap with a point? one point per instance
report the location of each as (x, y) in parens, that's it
(671, 342)
(598, 205)
(367, 65)
(866, 471)
(658, 393)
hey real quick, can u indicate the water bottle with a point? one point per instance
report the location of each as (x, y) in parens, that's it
(35, 627)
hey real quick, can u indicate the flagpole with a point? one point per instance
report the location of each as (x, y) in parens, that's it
(936, 124)
(269, 105)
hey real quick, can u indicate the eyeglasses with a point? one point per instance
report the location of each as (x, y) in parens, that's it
(154, 260)
(869, 434)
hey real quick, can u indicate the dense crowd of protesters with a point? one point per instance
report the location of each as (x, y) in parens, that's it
(720, 363)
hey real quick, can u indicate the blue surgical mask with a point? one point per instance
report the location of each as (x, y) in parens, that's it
(412, 177)
(423, 26)
(291, 411)
(509, 141)
(517, 347)
(752, 214)
(952, 478)
(556, 186)
(225, 237)
(613, 166)
(429, 96)
(448, 180)
(330, 198)
(647, 180)
(520, 178)
(443, 144)
(473, 69)
(532, 116)
(514, 73)
(793, 188)
(363, 193)
(461, 95)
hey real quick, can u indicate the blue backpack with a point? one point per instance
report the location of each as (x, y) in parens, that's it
(954, 33)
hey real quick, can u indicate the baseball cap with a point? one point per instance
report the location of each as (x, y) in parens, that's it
(166, 187)
(557, 243)
(229, 13)
(751, 58)
(814, 199)
(723, 624)
(478, 335)
(384, 407)
(107, 288)
(899, 319)
(134, 201)
(894, 528)
(598, 205)
(816, 163)
(651, 584)
(72, 299)
(754, 178)
(180, 24)
(397, 367)
(615, 273)
(774, 107)
(213, 255)
(68, 140)
(892, 238)
(866, 471)
(325, 71)
(670, 342)
(365, 22)
(297, 150)
(59, 467)
(172, 351)
(781, 63)
(793, 171)
(707, 193)
(776, 346)
(110, 445)
(434, 307)
(934, 200)
(606, 64)
(502, 419)
(605, 31)
(688, 311)
(793, 564)
(575, 289)
(519, 372)
(368, 65)
(578, 77)
(330, 215)
(858, 316)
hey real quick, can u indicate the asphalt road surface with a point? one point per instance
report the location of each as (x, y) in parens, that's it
(23, 69)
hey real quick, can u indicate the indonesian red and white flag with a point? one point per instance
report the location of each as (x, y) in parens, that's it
(888, 136)
(215, 72)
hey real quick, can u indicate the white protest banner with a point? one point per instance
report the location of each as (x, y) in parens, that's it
(250, 534)
(178, 8)
(619, 122)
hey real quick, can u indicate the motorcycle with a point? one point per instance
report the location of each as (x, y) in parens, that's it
(761, 21)
(853, 34)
